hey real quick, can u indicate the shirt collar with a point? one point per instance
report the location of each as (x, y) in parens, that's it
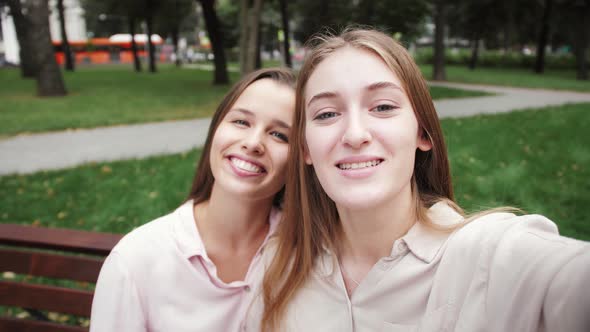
(423, 241)
(187, 234)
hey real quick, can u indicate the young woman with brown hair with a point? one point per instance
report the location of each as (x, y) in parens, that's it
(371, 238)
(195, 269)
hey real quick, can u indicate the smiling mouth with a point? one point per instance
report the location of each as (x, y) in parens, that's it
(360, 165)
(246, 166)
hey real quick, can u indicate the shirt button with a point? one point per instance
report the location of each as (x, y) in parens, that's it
(247, 288)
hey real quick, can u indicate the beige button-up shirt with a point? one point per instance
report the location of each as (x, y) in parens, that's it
(160, 278)
(498, 273)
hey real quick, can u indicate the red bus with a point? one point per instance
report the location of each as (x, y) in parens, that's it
(116, 49)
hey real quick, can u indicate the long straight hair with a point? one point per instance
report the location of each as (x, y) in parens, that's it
(203, 181)
(310, 220)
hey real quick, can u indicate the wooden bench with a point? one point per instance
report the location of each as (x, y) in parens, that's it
(21, 253)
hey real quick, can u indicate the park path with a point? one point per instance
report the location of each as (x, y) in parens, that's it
(57, 150)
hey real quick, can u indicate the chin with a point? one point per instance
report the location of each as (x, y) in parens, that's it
(359, 200)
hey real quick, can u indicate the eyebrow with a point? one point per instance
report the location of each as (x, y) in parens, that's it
(275, 122)
(322, 95)
(382, 85)
(370, 87)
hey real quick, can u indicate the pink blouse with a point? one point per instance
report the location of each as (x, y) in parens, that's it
(159, 278)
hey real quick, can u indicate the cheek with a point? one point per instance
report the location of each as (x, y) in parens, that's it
(215, 149)
(319, 142)
(280, 155)
(221, 137)
(399, 134)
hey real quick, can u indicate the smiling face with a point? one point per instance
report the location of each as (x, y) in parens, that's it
(250, 147)
(361, 131)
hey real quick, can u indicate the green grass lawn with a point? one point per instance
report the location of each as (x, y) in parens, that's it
(104, 96)
(551, 79)
(535, 160)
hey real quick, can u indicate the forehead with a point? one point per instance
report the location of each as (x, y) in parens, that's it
(347, 70)
(267, 98)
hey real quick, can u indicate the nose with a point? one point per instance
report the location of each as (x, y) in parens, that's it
(356, 133)
(253, 143)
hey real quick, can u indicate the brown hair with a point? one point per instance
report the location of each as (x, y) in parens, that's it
(203, 180)
(311, 220)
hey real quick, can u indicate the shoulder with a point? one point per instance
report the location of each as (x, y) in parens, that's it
(148, 239)
(502, 227)
(504, 238)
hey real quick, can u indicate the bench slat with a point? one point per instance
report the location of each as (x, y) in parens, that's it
(22, 325)
(59, 239)
(50, 265)
(58, 299)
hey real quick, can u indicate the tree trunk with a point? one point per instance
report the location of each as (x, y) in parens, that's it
(257, 53)
(49, 79)
(213, 30)
(508, 29)
(65, 44)
(151, 49)
(582, 39)
(22, 26)
(175, 33)
(285, 21)
(440, 21)
(136, 61)
(249, 38)
(474, 53)
(543, 37)
(243, 43)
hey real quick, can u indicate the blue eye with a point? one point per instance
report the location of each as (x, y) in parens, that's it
(241, 122)
(280, 136)
(325, 115)
(384, 108)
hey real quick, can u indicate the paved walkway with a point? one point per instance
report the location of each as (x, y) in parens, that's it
(49, 151)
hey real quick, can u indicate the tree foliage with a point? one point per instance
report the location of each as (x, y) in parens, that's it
(405, 17)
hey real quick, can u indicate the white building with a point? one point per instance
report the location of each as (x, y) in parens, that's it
(75, 28)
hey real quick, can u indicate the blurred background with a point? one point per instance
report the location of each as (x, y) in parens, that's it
(83, 67)
(101, 126)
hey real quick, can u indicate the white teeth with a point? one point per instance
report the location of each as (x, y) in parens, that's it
(363, 164)
(246, 166)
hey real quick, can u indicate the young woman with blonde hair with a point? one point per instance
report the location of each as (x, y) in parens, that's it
(371, 238)
(195, 269)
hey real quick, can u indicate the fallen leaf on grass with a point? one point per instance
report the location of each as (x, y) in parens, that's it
(84, 322)
(106, 169)
(23, 315)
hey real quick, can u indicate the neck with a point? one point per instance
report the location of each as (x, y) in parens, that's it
(232, 221)
(368, 234)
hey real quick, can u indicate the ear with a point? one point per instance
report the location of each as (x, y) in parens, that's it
(424, 141)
